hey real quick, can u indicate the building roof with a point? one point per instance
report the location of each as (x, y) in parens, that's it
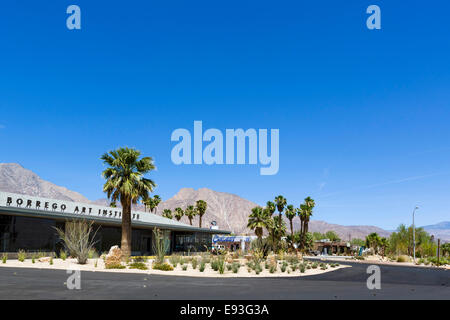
(18, 204)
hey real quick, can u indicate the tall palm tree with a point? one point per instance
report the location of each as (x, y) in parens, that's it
(179, 213)
(167, 213)
(125, 182)
(290, 214)
(280, 202)
(190, 212)
(201, 206)
(257, 221)
(310, 204)
(156, 201)
(270, 206)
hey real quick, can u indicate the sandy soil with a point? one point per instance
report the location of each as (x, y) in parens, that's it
(379, 260)
(71, 264)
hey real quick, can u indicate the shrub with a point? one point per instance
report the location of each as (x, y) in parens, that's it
(184, 267)
(63, 255)
(4, 257)
(92, 254)
(272, 269)
(202, 267)
(229, 267)
(315, 265)
(78, 238)
(51, 261)
(162, 266)
(194, 263)
(302, 268)
(235, 266)
(174, 260)
(138, 265)
(403, 258)
(21, 255)
(95, 265)
(115, 266)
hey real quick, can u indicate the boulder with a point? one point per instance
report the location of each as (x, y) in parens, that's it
(114, 256)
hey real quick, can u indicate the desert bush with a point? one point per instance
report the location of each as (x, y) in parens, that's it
(78, 238)
(162, 266)
(194, 263)
(174, 260)
(92, 254)
(4, 257)
(235, 266)
(21, 255)
(51, 261)
(229, 267)
(184, 267)
(315, 265)
(115, 266)
(138, 265)
(403, 258)
(63, 255)
(302, 268)
(272, 269)
(202, 266)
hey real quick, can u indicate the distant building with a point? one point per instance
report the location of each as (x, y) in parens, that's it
(326, 246)
(233, 243)
(29, 223)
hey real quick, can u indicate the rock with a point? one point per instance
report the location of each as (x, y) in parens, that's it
(114, 256)
(44, 259)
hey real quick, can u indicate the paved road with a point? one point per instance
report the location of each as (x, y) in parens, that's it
(350, 283)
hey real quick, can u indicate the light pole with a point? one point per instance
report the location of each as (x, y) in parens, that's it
(414, 234)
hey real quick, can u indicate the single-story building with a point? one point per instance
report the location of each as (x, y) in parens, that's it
(331, 247)
(233, 243)
(29, 223)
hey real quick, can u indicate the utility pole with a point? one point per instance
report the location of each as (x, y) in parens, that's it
(414, 234)
(439, 251)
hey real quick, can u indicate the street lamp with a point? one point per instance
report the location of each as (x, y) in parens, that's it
(414, 234)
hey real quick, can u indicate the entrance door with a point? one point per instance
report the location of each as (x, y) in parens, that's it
(146, 245)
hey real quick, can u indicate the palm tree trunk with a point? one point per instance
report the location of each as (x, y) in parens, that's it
(200, 221)
(126, 229)
(190, 221)
(292, 228)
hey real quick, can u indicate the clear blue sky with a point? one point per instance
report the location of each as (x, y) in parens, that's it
(363, 115)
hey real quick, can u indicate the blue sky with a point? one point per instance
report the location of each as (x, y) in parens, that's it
(363, 115)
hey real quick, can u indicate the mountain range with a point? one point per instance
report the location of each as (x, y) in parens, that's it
(229, 211)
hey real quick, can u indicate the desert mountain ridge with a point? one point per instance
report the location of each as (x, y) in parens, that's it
(229, 210)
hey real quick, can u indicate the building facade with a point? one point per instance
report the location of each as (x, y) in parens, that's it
(29, 223)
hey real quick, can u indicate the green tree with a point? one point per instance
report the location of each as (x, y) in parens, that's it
(190, 212)
(290, 214)
(167, 213)
(125, 182)
(179, 213)
(270, 207)
(280, 202)
(373, 241)
(152, 203)
(201, 206)
(258, 220)
(333, 236)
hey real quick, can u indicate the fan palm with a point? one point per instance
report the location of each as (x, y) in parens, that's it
(201, 206)
(190, 212)
(270, 206)
(290, 214)
(167, 213)
(125, 182)
(179, 213)
(258, 220)
(280, 202)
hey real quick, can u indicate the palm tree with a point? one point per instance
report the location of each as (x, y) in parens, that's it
(190, 212)
(125, 182)
(201, 210)
(156, 201)
(167, 213)
(290, 214)
(152, 203)
(310, 204)
(179, 213)
(270, 206)
(280, 202)
(258, 220)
